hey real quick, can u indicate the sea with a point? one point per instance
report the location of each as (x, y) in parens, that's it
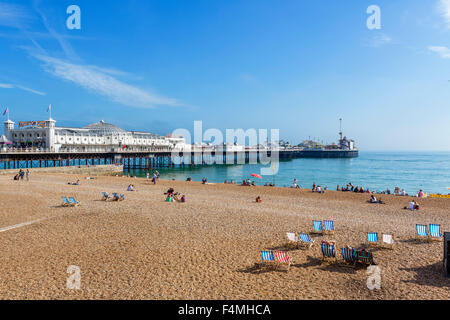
(378, 171)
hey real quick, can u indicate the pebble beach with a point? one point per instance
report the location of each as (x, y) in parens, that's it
(209, 247)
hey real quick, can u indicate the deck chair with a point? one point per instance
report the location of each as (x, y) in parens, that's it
(115, 197)
(388, 241)
(372, 238)
(293, 239)
(283, 258)
(329, 226)
(66, 203)
(267, 258)
(328, 251)
(364, 256)
(305, 240)
(105, 196)
(421, 232)
(348, 255)
(435, 232)
(317, 226)
(74, 202)
(122, 197)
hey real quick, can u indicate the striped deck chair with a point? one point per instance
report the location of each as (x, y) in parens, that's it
(122, 197)
(105, 196)
(283, 258)
(388, 241)
(305, 240)
(317, 226)
(372, 238)
(364, 256)
(348, 255)
(293, 239)
(115, 197)
(329, 226)
(421, 232)
(328, 250)
(66, 202)
(74, 202)
(267, 257)
(435, 232)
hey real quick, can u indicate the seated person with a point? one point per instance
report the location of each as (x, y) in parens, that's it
(258, 199)
(374, 200)
(169, 198)
(420, 194)
(131, 188)
(16, 177)
(412, 206)
(183, 198)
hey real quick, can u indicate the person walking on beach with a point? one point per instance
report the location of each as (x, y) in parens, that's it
(28, 175)
(154, 178)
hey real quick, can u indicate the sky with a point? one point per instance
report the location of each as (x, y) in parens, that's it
(293, 65)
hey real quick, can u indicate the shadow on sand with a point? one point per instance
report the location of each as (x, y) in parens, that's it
(431, 275)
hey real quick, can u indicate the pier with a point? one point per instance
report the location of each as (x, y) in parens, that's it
(24, 159)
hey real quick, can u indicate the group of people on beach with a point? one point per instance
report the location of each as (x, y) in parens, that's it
(351, 188)
(318, 189)
(155, 176)
(22, 174)
(172, 196)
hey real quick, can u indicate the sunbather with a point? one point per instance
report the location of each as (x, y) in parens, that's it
(258, 199)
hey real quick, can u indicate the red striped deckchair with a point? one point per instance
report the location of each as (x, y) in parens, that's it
(282, 257)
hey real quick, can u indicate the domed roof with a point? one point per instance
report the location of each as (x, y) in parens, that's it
(103, 128)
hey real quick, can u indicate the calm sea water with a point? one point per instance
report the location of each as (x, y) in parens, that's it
(374, 170)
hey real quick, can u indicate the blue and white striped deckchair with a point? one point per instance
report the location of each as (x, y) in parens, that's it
(421, 231)
(329, 225)
(67, 203)
(348, 255)
(305, 240)
(317, 226)
(267, 257)
(372, 238)
(435, 232)
(73, 201)
(328, 250)
(105, 196)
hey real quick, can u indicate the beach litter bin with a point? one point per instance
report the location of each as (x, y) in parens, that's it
(447, 254)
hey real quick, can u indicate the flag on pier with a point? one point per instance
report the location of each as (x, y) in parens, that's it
(6, 110)
(49, 108)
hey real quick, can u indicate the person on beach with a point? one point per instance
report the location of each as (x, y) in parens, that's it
(356, 189)
(319, 189)
(183, 199)
(258, 199)
(21, 174)
(189, 179)
(147, 175)
(154, 178)
(28, 175)
(420, 194)
(131, 188)
(204, 181)
(413, 205)
(374, 200)
(314, 187)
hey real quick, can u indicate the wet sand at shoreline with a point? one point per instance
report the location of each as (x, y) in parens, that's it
(145, 248)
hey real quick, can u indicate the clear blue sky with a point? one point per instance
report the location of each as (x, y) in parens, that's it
(294, 65)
